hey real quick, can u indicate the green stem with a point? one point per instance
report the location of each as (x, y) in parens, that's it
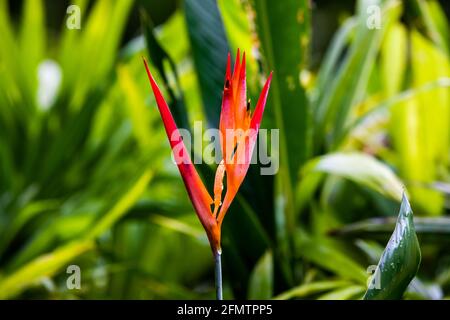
(218, 261)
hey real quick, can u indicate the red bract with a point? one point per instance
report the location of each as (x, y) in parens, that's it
(239, 130)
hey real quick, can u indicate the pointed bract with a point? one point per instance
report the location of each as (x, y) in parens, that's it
(239, 131)
(237, 169)
(200, 198)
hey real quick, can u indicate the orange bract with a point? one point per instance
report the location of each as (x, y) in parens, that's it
(239, 130)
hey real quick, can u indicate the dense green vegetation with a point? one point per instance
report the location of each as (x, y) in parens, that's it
(86, 176)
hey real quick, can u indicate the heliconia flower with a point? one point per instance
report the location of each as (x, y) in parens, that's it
(239, 130)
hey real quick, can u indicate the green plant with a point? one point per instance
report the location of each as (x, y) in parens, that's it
(87, 178)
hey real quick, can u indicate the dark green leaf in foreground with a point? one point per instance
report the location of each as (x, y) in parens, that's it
(400, 260)
(209, 48)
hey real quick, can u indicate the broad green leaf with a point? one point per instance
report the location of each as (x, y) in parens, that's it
(261, 280)
(359, 168)
(400, 260)
(331, 259)
(209, 48)
(288, 20)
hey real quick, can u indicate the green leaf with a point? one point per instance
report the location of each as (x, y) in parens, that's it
(432, 16)
(350, 292)
(140, 116)
(332, 56)
(359, 168)
(43, 266)
(347, 88)
(180, 226)
(393, 58)
(48, 264)
(244, 241)
(121, 206)
(424, 128)
(309, 289)
(388, 104)
(261, 279)
(209, 48)
(288, 20)
(32, 35)
(330, 258)
(240, 36)
(63, 147)
(435, 229)
(31, 210)
(157, 57)
(96, 48)
(400, 260)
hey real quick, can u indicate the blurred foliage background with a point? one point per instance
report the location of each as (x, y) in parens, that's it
(85, 170)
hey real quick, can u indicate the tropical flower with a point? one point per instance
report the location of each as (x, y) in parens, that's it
(239, 130)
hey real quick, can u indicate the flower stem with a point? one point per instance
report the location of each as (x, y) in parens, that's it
(218, 261)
